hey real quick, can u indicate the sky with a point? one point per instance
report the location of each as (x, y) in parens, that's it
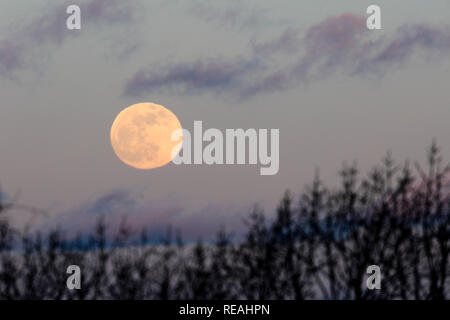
(336, 91)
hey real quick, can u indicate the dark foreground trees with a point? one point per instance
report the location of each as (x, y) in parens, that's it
(317, 246)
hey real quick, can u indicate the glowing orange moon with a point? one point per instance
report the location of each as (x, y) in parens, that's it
(141, 135)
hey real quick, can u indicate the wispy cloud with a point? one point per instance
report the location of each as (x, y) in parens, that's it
(337, 44)
(343, 44)
(334, 42)
(409, 39)
(49, 28)
(287, 42)
(212, 74)
(10, 56)
(110, 11)
(146, 213)
(230, 13)
(112, 206)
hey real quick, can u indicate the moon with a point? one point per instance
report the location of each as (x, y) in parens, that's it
(141, 136)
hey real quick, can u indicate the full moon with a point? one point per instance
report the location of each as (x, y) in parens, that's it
(141, 135)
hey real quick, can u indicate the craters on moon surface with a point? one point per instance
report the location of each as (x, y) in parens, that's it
(141, 135)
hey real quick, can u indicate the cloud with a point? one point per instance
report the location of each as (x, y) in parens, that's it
(232, 14)
(119, 201)
(334, 42)
(49, 28)
(336, 33)
(110, 11)
(287, 42)
(211, 74)
(112, 206)
(4, 197)
(9, 57)
(146, 213)
(337, 44)
(343, 43)
(409, 39)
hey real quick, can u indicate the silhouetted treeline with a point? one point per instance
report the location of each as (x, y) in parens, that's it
(316, 246)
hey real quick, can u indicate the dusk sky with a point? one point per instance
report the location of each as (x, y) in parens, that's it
(336, 91)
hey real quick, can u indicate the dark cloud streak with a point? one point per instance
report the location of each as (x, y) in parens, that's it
(337, 44)
(213, 74)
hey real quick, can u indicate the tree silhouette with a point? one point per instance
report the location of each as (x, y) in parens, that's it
(315, 246)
